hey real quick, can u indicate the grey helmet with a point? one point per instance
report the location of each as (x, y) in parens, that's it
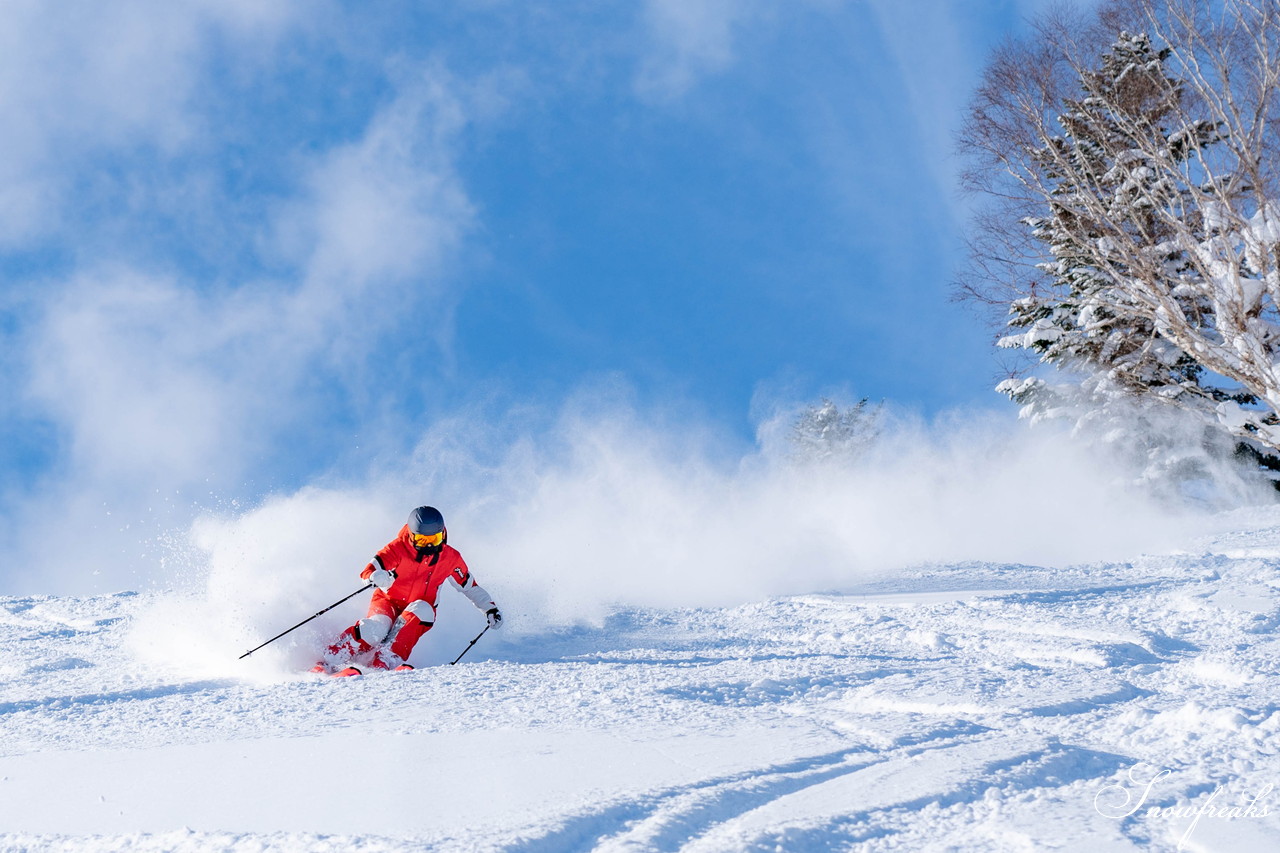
(427, 521)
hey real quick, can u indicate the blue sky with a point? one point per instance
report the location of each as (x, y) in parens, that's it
(247, 247)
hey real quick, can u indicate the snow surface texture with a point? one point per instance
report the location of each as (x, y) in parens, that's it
(976, 706)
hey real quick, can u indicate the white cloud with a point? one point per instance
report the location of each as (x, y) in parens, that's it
(387, 210)
(689, 39)
(156, 384)
(78, 79)
(149, 374)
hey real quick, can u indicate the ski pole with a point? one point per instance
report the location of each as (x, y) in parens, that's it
(308, 619)
(469, 645)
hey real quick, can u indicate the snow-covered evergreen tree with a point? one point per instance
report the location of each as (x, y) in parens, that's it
(825, 431)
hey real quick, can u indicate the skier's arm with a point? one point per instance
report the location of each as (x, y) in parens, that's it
(463, 581)
(378, 574)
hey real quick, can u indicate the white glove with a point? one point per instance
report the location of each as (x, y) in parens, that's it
(494, 617)
(382, 579)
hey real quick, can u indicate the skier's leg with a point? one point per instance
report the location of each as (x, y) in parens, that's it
(415, 621)
(363, 636)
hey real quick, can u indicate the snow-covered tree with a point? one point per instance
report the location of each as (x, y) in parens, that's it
(825, 431)
(1105, 189)
(1134, 234)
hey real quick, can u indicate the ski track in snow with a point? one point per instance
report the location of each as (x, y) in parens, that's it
(957, 707)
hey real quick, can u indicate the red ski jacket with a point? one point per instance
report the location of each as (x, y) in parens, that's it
(420, 578)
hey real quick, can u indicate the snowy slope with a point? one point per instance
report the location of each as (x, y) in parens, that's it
(963, 706)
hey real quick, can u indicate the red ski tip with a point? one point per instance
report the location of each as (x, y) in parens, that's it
(402, 668)
(320, 668)
(347, 673)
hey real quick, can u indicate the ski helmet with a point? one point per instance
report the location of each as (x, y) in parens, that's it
(426, 530)
(426, 521)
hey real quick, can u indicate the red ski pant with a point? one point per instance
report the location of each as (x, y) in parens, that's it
(401, 626)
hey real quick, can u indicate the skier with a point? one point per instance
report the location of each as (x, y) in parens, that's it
(408, 574)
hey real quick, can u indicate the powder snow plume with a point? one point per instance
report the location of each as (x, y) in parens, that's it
(596, 511)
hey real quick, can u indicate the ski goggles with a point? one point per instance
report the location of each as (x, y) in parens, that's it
(421, 540)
